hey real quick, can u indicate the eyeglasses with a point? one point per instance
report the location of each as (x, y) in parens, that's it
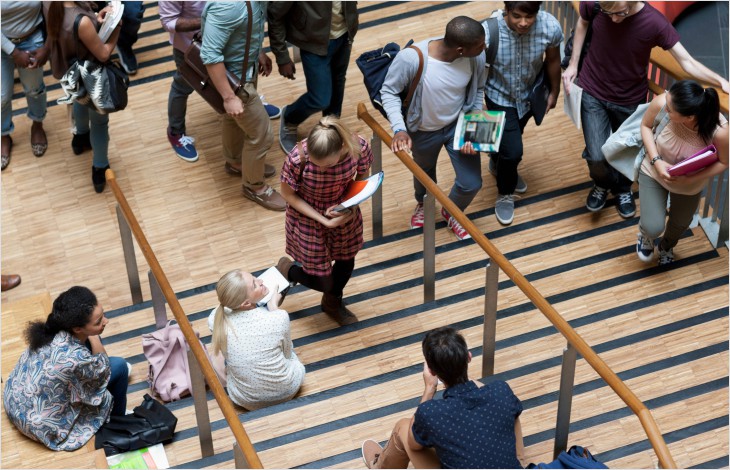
(621, 14)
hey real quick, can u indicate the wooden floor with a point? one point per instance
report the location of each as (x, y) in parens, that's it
(665, 331)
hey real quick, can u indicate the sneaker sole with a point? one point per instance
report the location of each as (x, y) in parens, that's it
(595, 209)
(625, 216)
(275, 116)
(504, 221)
(187, 159)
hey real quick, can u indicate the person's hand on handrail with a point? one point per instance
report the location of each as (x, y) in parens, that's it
(401, 141)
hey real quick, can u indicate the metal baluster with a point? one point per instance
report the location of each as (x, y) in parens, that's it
(565, 400)
(377, 200)
(158, 301)
(238, 458)
(429, 248)
(489, 339)
(130, 259)
(200, 400)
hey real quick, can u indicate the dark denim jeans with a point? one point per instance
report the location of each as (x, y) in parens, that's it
(325, 77)
(510, 147)
(426, 149)
(118, 385)
(600, 118)
(131, 22)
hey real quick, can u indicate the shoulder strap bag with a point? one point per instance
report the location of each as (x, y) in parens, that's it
(193, 70)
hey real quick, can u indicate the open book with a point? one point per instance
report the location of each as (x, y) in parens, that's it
(111, 21)
(272, 277)
(358, 191)
(482, 128)
(694, 163)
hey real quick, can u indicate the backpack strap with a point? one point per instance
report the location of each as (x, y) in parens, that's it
(660, 121)
(416, 79)
(493, 28)
(248, 44)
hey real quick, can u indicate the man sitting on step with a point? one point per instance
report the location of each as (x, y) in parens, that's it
(473, 426)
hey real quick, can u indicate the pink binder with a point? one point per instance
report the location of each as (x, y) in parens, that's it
(694, 163)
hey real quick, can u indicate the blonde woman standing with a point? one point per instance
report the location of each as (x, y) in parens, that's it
(254, 338)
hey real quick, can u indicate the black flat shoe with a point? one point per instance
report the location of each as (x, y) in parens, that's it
(98, 178)
(80, 143)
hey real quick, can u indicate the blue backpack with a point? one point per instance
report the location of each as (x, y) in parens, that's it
(374, 66)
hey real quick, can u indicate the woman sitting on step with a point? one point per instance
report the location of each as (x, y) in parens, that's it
(64, 387)
(694, 123)
(252, 333)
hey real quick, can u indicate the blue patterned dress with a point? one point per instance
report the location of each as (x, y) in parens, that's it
(57, 395)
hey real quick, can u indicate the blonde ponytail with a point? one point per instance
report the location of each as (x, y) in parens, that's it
(232, 292)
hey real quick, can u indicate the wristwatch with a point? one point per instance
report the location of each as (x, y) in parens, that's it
(653, 160)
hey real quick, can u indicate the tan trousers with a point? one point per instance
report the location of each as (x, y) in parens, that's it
(397, 454)
(246, 139)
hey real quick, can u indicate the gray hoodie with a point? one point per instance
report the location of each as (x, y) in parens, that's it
(400, 76)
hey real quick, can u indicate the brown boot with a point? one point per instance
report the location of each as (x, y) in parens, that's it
(335, 308)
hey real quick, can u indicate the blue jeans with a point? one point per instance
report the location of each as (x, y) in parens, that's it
(32, 81)
(426, 148)
(131, 21)
(325, 77)
(599, 119)
(177, 101)
(510, 147)
(117, 385)
(118, 381)
(88, 120)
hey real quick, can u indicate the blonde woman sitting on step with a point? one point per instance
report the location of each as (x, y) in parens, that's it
(255, 340)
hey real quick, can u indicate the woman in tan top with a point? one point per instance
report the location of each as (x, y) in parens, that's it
(694, 123)
(91, 128)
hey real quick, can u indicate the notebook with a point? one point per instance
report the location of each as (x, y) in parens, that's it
(694, 163)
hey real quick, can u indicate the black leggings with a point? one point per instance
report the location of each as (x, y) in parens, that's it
(333, 284)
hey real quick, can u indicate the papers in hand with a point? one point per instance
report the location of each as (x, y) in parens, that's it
(571, 105)
(111, 20)
(358, 191)
(694, 163)
(272, 279)
(482, 128)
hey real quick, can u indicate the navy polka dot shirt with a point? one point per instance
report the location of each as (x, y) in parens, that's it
(471, 427)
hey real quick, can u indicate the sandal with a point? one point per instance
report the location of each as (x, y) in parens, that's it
(39, 148)
(5, 157)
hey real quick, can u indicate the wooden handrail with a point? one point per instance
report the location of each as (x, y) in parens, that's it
(631, 400)
(224, 402)
(666, 61)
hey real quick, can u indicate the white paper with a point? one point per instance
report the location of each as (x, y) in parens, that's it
(272, 277)
(111, 20)
(571, 105)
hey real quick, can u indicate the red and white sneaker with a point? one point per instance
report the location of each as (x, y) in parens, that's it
(417, 217)
(455, 226)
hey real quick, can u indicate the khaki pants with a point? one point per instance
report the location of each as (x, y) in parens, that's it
(397, 454)
(246, 139)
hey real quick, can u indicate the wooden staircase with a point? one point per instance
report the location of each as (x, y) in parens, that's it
(663, 330)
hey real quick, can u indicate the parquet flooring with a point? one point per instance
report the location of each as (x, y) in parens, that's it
(664, 332)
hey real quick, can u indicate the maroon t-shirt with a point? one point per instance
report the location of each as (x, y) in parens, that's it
(615, 68)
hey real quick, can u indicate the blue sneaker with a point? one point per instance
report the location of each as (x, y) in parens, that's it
(273, 111)
(183, 146)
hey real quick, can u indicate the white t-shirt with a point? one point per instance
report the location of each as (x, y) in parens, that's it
(444, 92)
(261, 364)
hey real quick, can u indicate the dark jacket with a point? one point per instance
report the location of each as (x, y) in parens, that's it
(305, 25)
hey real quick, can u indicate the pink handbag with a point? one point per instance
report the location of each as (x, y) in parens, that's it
(167, 353)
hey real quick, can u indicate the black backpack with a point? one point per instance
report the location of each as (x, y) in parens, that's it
(568, 49)
(374, 66)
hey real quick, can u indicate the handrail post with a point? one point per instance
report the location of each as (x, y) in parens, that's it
(377, 200)
(489, 339)
(130, 259)
(200, 400)
(238, 458)
(158, 301)
(429, 248)
(565, 400)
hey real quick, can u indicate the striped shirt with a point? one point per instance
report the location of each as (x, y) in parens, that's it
(519, 60)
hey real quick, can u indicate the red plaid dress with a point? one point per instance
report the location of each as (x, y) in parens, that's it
(307, 241)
